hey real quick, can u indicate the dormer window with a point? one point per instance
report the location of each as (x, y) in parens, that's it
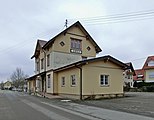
(151, 63)
(76, 46)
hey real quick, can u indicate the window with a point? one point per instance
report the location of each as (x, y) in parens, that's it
(62, 43)
(49, 81)
(151, 63)
(37, 65)
(63, 81)
(48, 60)
(104, 80)
(88, 48)
(151, 75)
(76, 46)
(42, 63)
(73, 80)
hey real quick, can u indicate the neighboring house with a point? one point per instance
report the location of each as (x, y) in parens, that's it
(146, 74)
(128, 75)
(139, 75)
(67, 65)
(149, 69)
(7, 85)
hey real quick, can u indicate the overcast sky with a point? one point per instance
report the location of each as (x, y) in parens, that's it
(123, 29)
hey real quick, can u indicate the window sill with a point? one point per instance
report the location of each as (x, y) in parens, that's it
(104, 85)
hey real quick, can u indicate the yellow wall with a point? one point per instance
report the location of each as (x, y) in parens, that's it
(31, 85)
(68, 89)
(49, 90)
(55, 83)
(91, 78)
(78, 34)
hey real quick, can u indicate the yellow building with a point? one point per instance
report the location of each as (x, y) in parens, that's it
(67, 65)
(7, 85)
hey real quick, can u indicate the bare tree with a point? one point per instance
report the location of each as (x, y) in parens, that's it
(2, 85)
(18, 78)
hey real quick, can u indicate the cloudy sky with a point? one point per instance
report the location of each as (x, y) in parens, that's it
(124, 29)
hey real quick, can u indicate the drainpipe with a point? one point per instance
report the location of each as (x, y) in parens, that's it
(44, 71)
(80, 81)
(44, 60)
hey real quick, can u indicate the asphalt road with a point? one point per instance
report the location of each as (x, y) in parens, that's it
(21, 106)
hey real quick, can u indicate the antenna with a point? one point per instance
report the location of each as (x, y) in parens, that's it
(66, 22)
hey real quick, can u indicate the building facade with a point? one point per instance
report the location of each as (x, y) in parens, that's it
(128, 75)
(146, 74)
(67, 65)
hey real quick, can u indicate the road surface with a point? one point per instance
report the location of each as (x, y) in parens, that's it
(21, 106)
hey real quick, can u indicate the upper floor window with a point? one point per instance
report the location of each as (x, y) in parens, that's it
(151, 63)
(42, 63)
(37, 65)
(48, 60)
(151, 75)
(104, 80)
(76, 46)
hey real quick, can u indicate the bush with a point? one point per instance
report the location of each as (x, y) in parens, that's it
(141, 84)
(150, 88)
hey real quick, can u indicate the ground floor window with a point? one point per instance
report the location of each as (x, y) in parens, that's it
(49, 80)
(73, 80)
(104, 80)
(63, 81)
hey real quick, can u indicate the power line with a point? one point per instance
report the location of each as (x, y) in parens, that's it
(116, 18)
(139, 13)
(23, 43)
(139, 59)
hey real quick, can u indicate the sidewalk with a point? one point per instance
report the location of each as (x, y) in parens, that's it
(47, 95)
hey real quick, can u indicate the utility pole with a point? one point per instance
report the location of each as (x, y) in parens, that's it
(66, 23)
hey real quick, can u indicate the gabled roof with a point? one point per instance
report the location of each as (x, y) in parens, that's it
(83, 62)
(39, 45)
(42, 42)
(139, 75)
(146, 63)
(98, 49)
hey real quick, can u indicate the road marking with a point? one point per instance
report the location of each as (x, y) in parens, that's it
(46, 112)
(73, 112)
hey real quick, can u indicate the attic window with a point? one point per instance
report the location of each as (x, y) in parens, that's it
(151, 63)
(76, 46)
(62, 43)
(88, 48)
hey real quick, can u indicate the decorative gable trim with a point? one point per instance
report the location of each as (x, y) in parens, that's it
(87, 35)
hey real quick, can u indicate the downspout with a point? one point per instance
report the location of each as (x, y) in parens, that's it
(44, 70)
(44, 60)
(80, 81)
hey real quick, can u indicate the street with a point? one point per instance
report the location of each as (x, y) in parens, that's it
(21, 106)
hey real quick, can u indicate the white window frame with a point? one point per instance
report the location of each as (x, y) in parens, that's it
(42, 63)
(63, 81)
(151, 75)
(48, 60)
(49, 80)
(73, 80)
(104, 80)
